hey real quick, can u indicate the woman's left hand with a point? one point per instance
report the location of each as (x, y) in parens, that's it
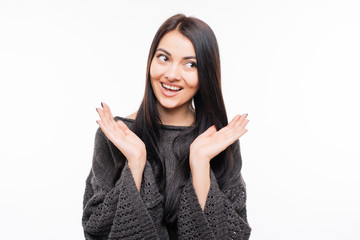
(212, 142)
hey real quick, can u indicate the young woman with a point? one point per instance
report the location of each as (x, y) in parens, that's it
(171, 170)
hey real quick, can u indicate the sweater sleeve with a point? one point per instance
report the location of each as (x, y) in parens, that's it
(224, 215)
(119, 211)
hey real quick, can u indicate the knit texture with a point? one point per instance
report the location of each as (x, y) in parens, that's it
(120, 211)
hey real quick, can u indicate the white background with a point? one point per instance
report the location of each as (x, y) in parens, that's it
(293, 66)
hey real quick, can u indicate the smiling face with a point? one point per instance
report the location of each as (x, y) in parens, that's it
(173, 72)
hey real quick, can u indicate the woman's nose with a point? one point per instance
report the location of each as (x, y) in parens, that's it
(173, 73)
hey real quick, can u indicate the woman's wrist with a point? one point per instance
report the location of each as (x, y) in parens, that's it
(200, 172)
(197, 162)
(137, 170)
(200, 168)
(136, 165)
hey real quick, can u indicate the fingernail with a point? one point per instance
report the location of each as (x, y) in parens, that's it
(97, 122)
(102, 104)
(96, 109)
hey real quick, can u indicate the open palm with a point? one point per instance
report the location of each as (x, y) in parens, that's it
(121, 136)
(211, 142)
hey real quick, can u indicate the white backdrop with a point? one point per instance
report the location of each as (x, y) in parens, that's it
(291, 65)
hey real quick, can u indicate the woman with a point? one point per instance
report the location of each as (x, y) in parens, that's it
(171, 170)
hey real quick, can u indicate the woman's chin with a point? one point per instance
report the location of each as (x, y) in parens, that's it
(167, 105)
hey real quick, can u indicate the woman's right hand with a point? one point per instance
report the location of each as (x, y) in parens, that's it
(123, 138)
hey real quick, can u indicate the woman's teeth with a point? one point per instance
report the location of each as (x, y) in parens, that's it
(170, 87)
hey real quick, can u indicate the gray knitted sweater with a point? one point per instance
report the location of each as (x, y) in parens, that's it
(120, 211)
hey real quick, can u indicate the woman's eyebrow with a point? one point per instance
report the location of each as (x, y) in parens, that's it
(163, 50)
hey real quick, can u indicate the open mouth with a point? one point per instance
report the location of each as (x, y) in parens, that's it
(169, 91)
(171, 88)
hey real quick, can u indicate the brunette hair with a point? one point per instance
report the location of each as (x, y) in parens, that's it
(209, 110)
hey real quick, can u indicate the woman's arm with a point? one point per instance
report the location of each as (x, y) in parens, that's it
(206, 146)
(131, 208)
(119, 211)
(201, 181)
(125, 140)
(206, 212)
(224, 213)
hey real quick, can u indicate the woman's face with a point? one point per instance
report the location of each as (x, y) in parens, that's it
(173, 71)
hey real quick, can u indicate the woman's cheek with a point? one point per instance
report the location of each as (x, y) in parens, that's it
(156, 70)
(191, 79)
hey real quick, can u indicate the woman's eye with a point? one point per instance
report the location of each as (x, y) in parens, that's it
(191, 65)
(162, 58)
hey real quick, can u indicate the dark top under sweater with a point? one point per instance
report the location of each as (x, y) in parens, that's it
(120, 211)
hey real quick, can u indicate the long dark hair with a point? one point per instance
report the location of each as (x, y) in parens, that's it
(209, 109)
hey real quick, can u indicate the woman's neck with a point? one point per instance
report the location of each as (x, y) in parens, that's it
(183, 116)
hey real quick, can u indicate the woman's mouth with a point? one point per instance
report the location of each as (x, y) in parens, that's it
(168, 90)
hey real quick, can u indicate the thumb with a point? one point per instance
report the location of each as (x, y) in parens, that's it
(123, 127)
(210, 131)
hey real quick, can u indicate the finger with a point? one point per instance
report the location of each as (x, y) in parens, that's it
(242, 132)
(225, 131)
(104, 129)
(107, 111)
(239, 131)
(231, 126)
(101, 114)
(233, 136)
(229, 134)
(103, 110)
(243, 117)
(232, 133)
(108, 125)
(108, 115)
(244, 123)
(211, 130)
(234, 121)
(241, 120)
